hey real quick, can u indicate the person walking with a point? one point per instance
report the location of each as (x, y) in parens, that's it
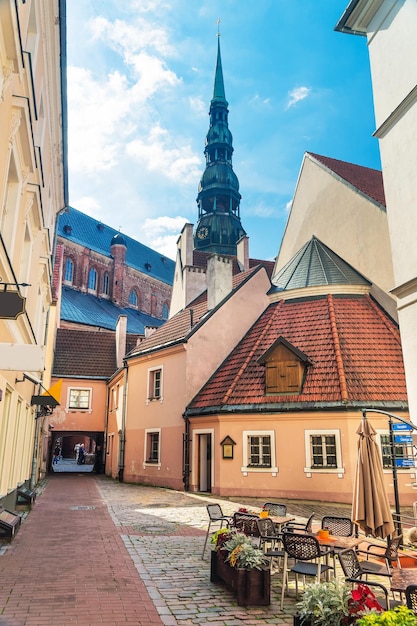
(81, 455)
(57, 454)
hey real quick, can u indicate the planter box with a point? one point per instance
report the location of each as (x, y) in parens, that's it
(252, 586)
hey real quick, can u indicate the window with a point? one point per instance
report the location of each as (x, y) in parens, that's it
(79, 398)
(285, 368)
(402, 451)
(323, 451)
(133, 298)
(165, 312)
(152, 446)
(92, 279)
(155, 383)
(69, 271)
(258, 451)
(105, 288)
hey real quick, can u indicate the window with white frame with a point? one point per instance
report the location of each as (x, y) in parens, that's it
(105, 284)
(323, 451)
(259, 451)
(79, 398)
(153, 446)
(402, 451)
(155, 383)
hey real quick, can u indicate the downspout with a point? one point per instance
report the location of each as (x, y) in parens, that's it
(106, 430)
(122, 431)
(186, 455)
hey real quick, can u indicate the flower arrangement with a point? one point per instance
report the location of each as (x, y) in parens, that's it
(237, 549)
(334, 603)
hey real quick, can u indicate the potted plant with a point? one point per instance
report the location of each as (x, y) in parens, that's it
(399, 616)
(243, 567)
(335, 603)
(324, 604)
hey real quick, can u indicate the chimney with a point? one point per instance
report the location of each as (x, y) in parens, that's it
(121, 329)
(243, 253)
(219, 279)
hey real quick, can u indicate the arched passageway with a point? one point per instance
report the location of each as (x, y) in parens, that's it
(76, 452)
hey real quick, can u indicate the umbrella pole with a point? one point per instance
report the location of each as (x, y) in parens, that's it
(394, 478)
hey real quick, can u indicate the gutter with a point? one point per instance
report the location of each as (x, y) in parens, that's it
(122, 431)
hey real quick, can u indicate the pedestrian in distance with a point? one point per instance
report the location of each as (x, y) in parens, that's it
(81, 455)
(57, 454)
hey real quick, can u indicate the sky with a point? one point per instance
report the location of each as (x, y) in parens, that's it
(140, 81)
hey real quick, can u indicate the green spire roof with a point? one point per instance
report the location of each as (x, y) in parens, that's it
(218, 92)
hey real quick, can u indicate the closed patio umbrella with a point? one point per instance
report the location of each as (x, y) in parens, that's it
(370, 507)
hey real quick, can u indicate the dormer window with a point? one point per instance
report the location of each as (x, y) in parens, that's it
(285, 368)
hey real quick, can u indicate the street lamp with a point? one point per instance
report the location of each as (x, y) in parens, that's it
(391, 416)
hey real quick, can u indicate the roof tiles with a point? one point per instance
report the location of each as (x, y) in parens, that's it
(354, 348)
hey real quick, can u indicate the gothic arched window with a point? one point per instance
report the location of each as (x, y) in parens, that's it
(92, 279)
(69, 271)
(105, 288)
(165, 311)
(133, 298)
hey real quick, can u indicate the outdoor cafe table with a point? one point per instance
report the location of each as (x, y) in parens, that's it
(401, 578)
(337, 543)
(280, 520)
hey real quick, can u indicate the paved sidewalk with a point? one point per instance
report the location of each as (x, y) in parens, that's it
(94, 551)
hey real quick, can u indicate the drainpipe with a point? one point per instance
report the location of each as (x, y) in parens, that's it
(186, 455)
(33, 480)
(122, 431)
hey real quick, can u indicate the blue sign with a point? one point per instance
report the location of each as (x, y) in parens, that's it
(404, 462)
(402, 426)
(408, 439)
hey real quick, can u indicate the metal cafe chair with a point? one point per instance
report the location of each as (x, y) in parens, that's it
(307, 554)
(246, 523)
(300, 526)
(339, 527)
(354, 572)
(275, 508)
(411, 598)
(216, 516)
(389, 554)
(270, 541)
(353, 568)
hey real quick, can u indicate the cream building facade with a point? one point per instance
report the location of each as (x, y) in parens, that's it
(33, 190)
(391, 30)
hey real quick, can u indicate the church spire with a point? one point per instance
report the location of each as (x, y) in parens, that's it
(218, 228)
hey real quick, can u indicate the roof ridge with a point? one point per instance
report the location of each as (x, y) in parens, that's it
(337, 349)
(251, 353)
(384, 319)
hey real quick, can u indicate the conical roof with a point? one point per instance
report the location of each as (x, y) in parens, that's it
(316, 265)
(218, 91)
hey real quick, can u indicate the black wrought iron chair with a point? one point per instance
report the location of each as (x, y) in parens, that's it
(246, 523)
(308, 558)
(354, 568)
(354, 571)
(270, 540)
(216, 516)
(411, 598)
(339, 527)
(300, 526)
(275, 508)
(388, 553)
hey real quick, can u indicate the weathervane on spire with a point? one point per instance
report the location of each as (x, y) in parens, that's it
(218, 27)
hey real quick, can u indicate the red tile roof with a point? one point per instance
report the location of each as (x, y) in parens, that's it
(367, 180)
(179, 327)
(89, 354)
(354, 348)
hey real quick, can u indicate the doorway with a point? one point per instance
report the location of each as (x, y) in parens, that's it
(205, 462)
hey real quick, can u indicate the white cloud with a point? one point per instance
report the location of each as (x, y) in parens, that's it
(297, 94)
(198, 105)
(127, 39)
(162, 233)
(155, 153)
(288, 205)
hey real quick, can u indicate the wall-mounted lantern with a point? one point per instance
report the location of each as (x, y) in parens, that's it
(228, 446)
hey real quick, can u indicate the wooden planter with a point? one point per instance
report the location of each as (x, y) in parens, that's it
(252, 586)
